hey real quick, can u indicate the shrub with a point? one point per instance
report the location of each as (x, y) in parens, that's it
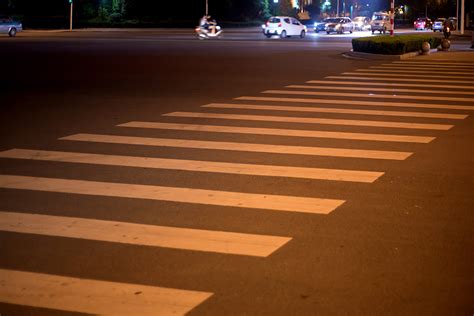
(396, 45)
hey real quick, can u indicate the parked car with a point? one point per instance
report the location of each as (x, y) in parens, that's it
(321, 26)
(283, 26)
(380, 22)
(339, 25)
(361, 23)
(438, 24)
(9, 26)
(422, 24)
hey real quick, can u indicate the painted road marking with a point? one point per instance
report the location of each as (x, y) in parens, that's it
(423, 67)
(393, 79)
(394, 90)
(311, 120)
(248, 147)
(370, 95)
(143, 235)
(93, 296)
(366, 103)
(281, 132)
(389, 84)
(417, 71)
(437, 63)
(333, 110)
(173, 194)
(403, 75)
(195, 165)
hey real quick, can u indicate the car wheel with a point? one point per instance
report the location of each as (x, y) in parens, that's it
(283, 34)
(316, 31)
(302, 34)
(12, 32)
(373, 31)
(327, 32)
(350, 31)
(268, 35)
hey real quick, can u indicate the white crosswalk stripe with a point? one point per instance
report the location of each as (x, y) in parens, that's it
(366, 103)
(249, 147)
(360, 76)
(195, 165)
(311, 120)
(393, 89)
(144, 235)
(417, 71)
(333, 110)
(172, 194)
(445, 86)
(437, 63)
(411, 77)
(370, 95)
(93, 296)
(281, 132)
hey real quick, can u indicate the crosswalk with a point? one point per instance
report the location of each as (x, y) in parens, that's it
(374, 103)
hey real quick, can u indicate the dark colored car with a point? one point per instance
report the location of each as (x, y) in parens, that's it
(422, 24)
(9, 26)
(321, 26)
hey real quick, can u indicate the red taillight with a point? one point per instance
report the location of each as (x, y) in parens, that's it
(267, 23)
(279, 24)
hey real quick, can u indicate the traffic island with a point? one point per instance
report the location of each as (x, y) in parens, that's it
(396, 47)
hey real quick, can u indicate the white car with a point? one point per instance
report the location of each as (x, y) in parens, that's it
(283, 26)
(339, 25)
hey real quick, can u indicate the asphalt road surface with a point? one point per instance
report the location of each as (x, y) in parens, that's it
(150, 173)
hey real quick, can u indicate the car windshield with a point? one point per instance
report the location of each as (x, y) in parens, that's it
(333, 20)
(273, 20)
(359, 19)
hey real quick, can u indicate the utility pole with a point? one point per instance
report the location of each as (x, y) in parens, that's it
(207, 8)
(70, 16)
(337, 11)
(392, 17)
(462, 16)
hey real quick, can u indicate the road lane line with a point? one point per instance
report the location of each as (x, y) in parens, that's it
(393, 90)
(418, 71)
(143, 235)
(389, 84)
(311, 120)
(281, 132)
(93, 296)
(333, 110)
(366, 103)
(370, 95)
(248, 147)
(358, 77)
(173, 194)
(195, 165)
(410, 76)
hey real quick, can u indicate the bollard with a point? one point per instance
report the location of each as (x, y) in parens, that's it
(425, 48)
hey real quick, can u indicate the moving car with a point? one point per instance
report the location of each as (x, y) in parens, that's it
(283, 26)
(361, 23)
(9, 26)
(339, 25)
(380, 22)
(422, 24)
(321, 26)
(438, 24)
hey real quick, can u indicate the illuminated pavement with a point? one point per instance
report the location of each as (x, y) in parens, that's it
(143, 175)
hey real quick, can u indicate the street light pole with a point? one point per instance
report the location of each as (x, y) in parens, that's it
(70, 16)
(337, 11)
(207, 8)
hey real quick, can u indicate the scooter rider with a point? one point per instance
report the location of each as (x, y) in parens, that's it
(447, 27)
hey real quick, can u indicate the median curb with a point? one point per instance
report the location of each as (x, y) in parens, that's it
(361, 55)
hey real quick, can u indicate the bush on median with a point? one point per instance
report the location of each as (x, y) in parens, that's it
(396, 45)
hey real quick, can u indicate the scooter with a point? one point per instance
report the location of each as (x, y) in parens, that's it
(446, 32)
(208, 33)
